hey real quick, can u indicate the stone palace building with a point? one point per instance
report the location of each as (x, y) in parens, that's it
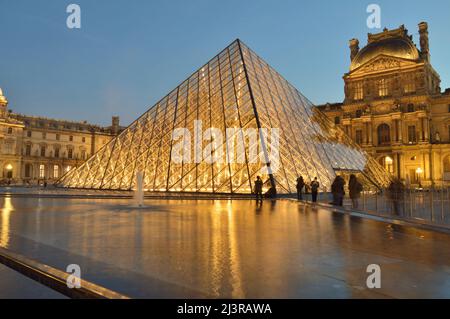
(37, 149)
(394, 107)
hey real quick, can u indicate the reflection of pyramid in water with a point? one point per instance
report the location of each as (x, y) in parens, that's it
(235, 89)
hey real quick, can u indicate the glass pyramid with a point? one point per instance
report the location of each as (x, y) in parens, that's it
(235, 89)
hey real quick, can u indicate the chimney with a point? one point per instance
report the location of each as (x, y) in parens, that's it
(424, 44)
(115, 125)
(354, 48)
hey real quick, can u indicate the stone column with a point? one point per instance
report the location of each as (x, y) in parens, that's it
(367, 132)
(426, 129)
(420, 129)
(400, 131)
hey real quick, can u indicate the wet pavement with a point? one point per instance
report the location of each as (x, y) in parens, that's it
(226, 249)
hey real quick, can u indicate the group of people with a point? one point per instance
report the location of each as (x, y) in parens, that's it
(313, 186)
(337, 190)
(395, 191)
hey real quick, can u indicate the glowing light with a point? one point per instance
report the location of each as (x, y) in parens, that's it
(9, 167)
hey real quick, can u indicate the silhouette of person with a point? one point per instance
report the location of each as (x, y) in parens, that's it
(259, 188)
(300, 185)
(314, 189)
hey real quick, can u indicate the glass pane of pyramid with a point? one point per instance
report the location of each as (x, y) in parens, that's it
(232, 120)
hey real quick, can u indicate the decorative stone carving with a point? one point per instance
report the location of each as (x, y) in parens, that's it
(382, 64)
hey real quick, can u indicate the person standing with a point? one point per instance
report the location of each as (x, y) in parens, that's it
(396, 192)
(314, 189)
(355, 188)
(337, 189)
(258, 188)
(300, 185)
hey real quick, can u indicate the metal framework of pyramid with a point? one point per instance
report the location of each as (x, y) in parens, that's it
(234, 89)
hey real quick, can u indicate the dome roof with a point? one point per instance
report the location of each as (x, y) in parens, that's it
(398, 47)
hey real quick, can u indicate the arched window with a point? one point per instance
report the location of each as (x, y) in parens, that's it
(384, 134)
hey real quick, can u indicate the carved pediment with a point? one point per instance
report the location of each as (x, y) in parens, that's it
(381, 63)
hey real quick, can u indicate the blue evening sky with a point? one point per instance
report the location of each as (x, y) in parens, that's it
(130, 53)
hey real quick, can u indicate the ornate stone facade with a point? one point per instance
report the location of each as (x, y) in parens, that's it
(394, 107)
(37, 149)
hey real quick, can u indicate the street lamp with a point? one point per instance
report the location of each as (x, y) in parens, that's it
(419, 171)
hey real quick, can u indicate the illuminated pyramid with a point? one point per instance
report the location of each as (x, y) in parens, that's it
(235, 89)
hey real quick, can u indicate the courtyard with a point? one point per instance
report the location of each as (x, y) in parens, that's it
(222, 249)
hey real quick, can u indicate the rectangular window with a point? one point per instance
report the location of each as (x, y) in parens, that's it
(359, 91)
(42, 171)
(71, 138)
(383, 88)
(55, 171)
(83, 155)
(69, 153)
(412, 134)
(56, 152)
(28, 133)
(10, 130)
(28, 150)
(83, 139)
(410, 84)
(337, 120)
(358, 137)
(43, 150)
(57, 137)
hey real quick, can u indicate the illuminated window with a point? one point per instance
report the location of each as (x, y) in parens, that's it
(383, 89)
(359, 91)
(42, 171)
(55, 171)
(388, 164)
